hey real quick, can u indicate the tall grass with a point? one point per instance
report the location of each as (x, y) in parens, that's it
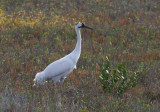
(34, 33)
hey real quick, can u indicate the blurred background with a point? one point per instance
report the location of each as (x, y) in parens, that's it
(34, 33)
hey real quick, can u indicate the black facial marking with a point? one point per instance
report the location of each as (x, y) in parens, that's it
(82, 25)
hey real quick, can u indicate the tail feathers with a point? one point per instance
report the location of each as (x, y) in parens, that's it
(38, 79)
(36, 76)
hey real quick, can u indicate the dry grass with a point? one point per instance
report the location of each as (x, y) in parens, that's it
(34, 33)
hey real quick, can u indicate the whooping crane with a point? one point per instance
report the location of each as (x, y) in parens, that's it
(58, 70)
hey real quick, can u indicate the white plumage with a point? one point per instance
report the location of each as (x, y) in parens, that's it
(58, 70)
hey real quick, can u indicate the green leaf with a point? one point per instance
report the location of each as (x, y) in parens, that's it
(116, 81)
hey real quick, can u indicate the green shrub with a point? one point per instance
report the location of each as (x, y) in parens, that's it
(116, 80)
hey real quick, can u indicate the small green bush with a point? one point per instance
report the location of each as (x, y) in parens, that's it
(117, 80)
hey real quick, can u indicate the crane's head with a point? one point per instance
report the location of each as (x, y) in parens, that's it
(81, 25)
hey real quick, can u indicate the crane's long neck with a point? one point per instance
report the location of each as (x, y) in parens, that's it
(78, 45)
(77, 51)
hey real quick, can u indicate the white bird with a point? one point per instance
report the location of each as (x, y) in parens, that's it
(58, 70)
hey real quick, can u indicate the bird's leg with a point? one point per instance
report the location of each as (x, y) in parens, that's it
(54, 82)
(55, 79)
(62, 80)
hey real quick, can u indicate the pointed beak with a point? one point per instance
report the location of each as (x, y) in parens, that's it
(87, 27)
(83, 26)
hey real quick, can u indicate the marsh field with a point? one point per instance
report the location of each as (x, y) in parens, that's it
(34, 33)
